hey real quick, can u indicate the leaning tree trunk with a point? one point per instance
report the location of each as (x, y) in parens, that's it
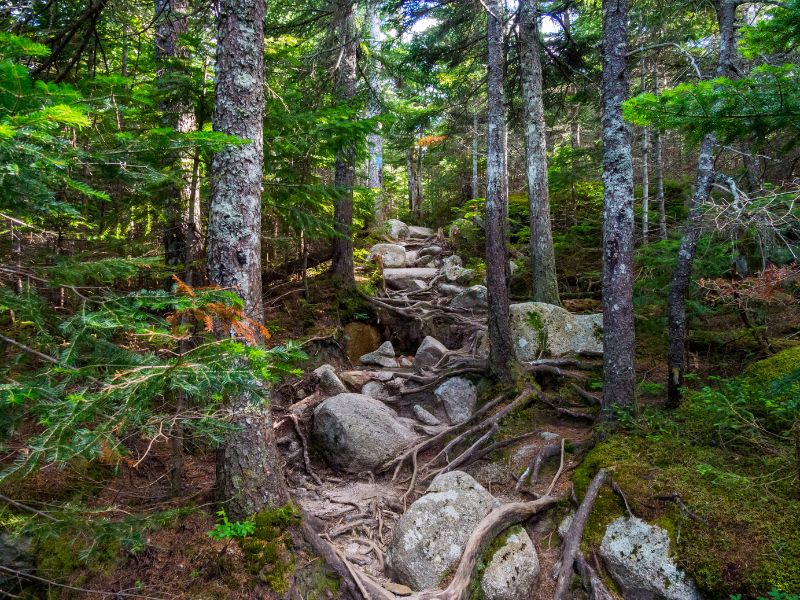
(375, 140)
(501, 350)
(545, 284)
(619, 374)
(342, 266)
(249, 475)
(182, 234)
(681, 278)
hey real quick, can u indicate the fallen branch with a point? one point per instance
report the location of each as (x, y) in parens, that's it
(572, 539)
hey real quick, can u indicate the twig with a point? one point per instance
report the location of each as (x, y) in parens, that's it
(101, 593)
(28, 508)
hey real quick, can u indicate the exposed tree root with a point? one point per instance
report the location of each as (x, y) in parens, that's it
(591, 580)
(572, 539)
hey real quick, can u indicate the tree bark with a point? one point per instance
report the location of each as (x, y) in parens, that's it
(474, 186)
(501, 349)
(414, 171)
(645, 171)
(375, 140)
(342, 266)
(659, 165)
(249, 477)
(619, 375)
(180, 200)
(545, 283)
(681, 278)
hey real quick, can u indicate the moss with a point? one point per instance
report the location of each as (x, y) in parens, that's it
(268, 552)
(535, 321)
(316, 582)
(775, 367)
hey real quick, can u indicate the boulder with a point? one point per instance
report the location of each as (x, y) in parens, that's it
(420, 233)
(472, 298)
(383, 356)
(457, 274)
(397, 230)
(375, 389)
(357, 433)
(430, 251)
(360, 338)
(401, 279)
(329, 383)
(513, 568)
(636, 555)
(452, 261)
(429, 353)
(356, 379)
(448, 289)
(430, 536)
(392, 255)
(458, 396)
(424, 261)
(425, 417)
(544, 329)
(16, 552)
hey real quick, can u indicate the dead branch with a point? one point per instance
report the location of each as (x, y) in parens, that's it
(572, 539)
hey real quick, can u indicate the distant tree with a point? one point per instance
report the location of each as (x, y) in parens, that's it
(249, 475)
(375, 140)
(619, 375)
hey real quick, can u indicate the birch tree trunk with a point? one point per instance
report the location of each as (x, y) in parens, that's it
(619, 375)
(543, 262)
(182, 234)
(501, 349)
(342, 266)
(249, 476)
(375, 140)
(681, 278)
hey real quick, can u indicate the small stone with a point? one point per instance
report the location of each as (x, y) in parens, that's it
(429, 353)
(448, 289)
(383, 356)
(431, 251)
(398, 589)
(424, 261)
(355, 379)
(549, 436)
(456, 273)
(452, 261)
(425, 417)
(406, 361)
(393, 256)
(329, 383)
(459, 396)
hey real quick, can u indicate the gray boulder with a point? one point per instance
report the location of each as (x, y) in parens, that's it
(429, 353)
(424, 261)
(397, 230)
(401, 279)
(449, 289)
(392, 255)
(452, 261)
(636, 555)
(420, 233)
(430, 251)
(544, 329)
(382, 357)
(375, 389)
(431, 535)
(458, 396)
(329, 383)
(513, 569)
(472, 298)
(16, 552)
(357, 433)
(424, 416)
(456, 274)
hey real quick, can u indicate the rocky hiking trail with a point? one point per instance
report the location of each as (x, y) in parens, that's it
(416, 481)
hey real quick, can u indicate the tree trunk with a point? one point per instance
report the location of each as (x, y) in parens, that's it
(659, 165)
(342, 266)
(645, 170)
(545, 284)
(619, 374)
(249, 477)
(178, 113)
(375, 140)
(501, 350)
(413, 168)
(681, 278)
(475, 192)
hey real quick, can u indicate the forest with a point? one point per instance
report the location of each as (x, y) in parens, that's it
(382, 299)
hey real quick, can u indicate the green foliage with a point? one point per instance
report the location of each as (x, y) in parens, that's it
(268, 552)
(227, 530)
